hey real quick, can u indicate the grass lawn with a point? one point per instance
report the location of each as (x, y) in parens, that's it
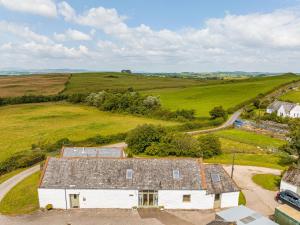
(292, 96)
(93, 82)
(270, 182)
(11, 86)
(6, 176)
(250, 138)
(23, 125)
(23, 198)
(242, 199)
(204, 98)
(262, 160)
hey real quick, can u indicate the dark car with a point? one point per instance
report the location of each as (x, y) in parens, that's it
(290, 198)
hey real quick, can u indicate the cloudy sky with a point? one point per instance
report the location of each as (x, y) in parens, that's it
(152, 36)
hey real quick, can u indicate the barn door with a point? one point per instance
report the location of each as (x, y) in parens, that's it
(74, 200)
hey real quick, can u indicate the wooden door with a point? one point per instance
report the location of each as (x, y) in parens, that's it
(74, 200)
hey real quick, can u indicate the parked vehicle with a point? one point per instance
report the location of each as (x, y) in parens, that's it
(290, 198)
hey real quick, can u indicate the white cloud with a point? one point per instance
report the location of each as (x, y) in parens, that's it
(72, 34)
(107, 20)
(21, 31)
(39, 7)
(258, 41)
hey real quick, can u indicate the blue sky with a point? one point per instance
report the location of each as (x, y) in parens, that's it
(154, 36)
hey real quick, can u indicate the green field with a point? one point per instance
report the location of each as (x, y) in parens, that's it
(204, 98)
(292, 96)
(93, 82)
(23, 198)
(263, 160)
(269, 182)
(24, 125)
(259, 141)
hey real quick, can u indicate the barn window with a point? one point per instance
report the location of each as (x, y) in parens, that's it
(176, 174)
(186, 198)
(129, 173)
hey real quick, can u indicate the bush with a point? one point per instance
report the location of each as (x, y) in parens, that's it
(21, 160)
(143, 136)
(218, 112)
(210, 145)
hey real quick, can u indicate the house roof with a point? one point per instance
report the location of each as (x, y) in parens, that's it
(111, 152)
(287, 106)
(218, 181)
(243, 215)
(111, 173)
(292, 176)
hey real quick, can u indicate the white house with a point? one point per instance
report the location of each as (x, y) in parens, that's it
(291, 180)
(284, 109)
(130, 182)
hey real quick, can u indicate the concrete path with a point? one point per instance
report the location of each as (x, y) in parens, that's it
(10, 183)
(257, 198)
(228, 123)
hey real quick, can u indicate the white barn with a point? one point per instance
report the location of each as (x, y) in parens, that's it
(291, 180)
(284, 109)
(130, 182)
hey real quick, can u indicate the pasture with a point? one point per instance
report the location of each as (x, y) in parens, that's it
(94, 82)
(24, 125)
(292, 96)
(12, 86)
(204, 98)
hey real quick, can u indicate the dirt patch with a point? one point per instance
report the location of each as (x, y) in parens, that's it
(12, 86)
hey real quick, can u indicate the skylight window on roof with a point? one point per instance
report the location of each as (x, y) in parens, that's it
(215, 177)
(176, 174)
(247, 219)
(129, 174)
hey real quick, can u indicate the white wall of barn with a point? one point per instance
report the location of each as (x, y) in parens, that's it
(173, 199)
(230, 199)
(126, 199)
(287, 186)
(89, 198)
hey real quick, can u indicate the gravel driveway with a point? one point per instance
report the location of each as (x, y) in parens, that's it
(257, 198)
(112, 217)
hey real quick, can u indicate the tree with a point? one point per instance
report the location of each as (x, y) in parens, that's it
(218, 112)
(293, 147)
(143, 136)
(210, 145)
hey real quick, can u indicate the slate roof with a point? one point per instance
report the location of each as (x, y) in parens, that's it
(286, 105)
(103, 173)
(292, 176)
(108, 152)
(222, 185)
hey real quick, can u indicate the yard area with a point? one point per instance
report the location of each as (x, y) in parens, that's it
(204, 98)
(27, 124)
(11, 86)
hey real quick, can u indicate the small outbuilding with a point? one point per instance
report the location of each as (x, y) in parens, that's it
(291, 180)
(88, 182)
(242, 215)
